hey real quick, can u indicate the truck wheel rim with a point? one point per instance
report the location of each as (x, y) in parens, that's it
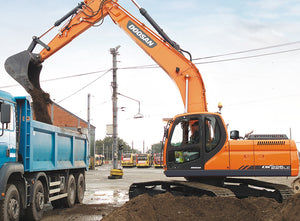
(72, 192)
(40, 201)
(13, 208)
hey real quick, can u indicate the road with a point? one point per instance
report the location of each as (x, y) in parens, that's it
(102, 194)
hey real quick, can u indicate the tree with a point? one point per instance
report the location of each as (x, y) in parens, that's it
(156, 148)
(107, 144)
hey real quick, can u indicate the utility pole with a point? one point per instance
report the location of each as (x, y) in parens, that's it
(115, 173)
(144, 146)
(92, 150)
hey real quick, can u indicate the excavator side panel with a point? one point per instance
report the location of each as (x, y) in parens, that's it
(220, 161)
(241, 154)
(272, 155)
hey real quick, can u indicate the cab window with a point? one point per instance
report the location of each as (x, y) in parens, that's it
(212, 133)
(186, 132)
(186, 139)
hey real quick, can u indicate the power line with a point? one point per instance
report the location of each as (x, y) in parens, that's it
(250, 50)
(84, 86)
(61, 78)
(149, 66)
(246, 57)
(92, 107)
(76, 75)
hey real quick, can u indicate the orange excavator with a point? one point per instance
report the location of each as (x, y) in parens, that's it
(196, 143)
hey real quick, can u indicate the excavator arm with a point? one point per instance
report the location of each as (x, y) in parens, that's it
(25, 67)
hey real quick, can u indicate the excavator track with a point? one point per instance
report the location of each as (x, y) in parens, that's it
(232, 187)
(278, 191)
(178, 188)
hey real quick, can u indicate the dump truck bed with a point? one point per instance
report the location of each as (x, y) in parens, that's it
(45, 147)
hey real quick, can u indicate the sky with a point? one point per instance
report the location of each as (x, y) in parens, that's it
(259, 93)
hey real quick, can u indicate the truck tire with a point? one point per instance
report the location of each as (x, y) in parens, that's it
(80, 188)
(10, 206)
(69, 201)
(36, 209)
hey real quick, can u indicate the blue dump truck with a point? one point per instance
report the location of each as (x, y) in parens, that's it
(39, 163)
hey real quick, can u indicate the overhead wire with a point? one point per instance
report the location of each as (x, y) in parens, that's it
(249, 50)
(84, 86)
(76, 75)
(250, 56)
(150, 66)
(62, 78)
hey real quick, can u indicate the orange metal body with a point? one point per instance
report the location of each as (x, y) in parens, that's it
(242, 154)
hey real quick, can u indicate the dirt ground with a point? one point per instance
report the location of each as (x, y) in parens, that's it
(166, 207)
(107, 200)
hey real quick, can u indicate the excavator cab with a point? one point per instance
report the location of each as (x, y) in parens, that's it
(193, 140)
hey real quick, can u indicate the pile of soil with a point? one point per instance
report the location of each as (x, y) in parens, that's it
(166, 207)
(40, 101)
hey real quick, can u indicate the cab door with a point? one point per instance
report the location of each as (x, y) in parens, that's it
(184, 145)
(194, 141)
(215, 152)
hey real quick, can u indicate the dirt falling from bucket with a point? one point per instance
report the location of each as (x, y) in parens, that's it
(40, 103)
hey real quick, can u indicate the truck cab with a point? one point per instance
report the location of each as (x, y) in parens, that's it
(7, 128)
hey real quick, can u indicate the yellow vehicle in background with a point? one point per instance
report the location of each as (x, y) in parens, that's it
(99, 160)
(158, 160)
(143, 160)
(128, 160)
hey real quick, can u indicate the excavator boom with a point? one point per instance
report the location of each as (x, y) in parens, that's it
(25, 67)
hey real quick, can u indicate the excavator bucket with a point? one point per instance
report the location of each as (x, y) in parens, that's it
(25, 69)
